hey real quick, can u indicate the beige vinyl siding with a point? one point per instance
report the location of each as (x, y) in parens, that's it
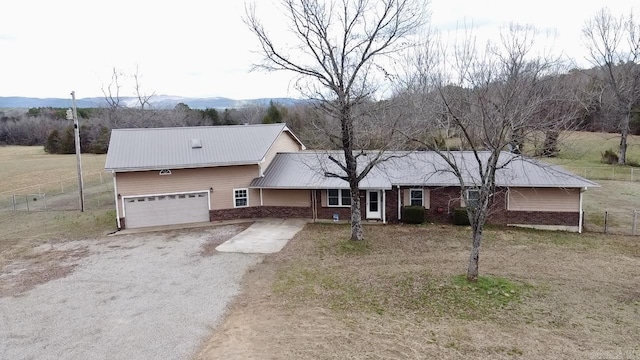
(544, 199)
(222, 179)
(284, 143)
(407, 197)
(273, 197)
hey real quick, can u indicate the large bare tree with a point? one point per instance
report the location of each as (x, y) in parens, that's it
(489, 102)
(340, 53)
(614, 49)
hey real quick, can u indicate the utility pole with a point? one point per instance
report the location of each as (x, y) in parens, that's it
(76, 127)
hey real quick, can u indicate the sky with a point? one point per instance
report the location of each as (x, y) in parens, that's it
(197, 48)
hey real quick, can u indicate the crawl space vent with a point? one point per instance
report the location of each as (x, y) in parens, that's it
(196, 144)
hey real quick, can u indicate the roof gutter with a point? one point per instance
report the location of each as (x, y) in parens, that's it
(195, 166)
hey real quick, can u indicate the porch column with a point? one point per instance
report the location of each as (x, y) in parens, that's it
(384, 207)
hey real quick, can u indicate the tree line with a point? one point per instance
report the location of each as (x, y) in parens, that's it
(50, 128)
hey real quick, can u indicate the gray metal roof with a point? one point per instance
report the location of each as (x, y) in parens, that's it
(171, 148)
(424, 168)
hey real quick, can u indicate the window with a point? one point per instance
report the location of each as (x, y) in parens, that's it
(473, 198)
(339, 197)
(165, 172)
(416, 197)
(240, 198)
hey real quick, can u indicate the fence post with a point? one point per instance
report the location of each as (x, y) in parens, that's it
(45, 201)
(606, 218)
(26, 197)
(13, 201)
(635, 222)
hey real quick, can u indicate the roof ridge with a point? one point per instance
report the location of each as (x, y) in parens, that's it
(283, 125)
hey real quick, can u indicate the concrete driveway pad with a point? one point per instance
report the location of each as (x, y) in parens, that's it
(263, 237)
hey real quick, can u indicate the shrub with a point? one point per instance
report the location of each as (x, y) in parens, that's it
(609, 157)
(633, 163)
(413, 214)
(460, 216)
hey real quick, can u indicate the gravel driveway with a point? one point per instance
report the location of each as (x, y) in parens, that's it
(146, 296)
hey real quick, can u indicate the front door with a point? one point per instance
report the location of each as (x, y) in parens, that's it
(373, 204)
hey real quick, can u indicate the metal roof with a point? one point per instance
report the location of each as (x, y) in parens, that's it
(306, 169)
(177, 147)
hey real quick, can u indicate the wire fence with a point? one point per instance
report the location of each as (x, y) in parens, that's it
(613, 222)
(620, 173)
(61, 194)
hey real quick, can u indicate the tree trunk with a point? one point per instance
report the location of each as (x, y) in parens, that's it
(550, 146)
(356, 218)
(624, 134)
(474, 259)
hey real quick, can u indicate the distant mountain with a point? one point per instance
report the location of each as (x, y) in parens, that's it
(157, 102)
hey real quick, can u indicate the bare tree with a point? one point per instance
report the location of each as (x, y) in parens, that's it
(339, 54)
(614, 49)
(111, 95)
(490, 102)
(143, 97)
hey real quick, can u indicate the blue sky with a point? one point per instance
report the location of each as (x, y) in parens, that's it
(202, 48)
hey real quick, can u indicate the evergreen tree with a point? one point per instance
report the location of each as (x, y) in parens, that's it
(68, 143)
(273, 115)
(53, 143)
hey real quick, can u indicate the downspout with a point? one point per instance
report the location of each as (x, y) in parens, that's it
(261, 203)
(384, 207)
(399, 207)
(580, 214)
(115, 194)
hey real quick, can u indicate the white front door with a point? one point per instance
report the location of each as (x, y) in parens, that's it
(374, 205)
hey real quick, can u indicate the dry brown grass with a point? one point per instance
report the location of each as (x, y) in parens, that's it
(22, 232)
(24, 166)
(396, 297)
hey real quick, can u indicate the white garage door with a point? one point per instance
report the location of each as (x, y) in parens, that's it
(166, 209)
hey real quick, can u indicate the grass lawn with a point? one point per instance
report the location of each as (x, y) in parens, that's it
(580, 150)
(400, 295)
(24, 166)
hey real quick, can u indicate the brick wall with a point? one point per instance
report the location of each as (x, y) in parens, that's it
(445, 199)
(391, 205)
(255, 212)
(343, 212)
(543, 218)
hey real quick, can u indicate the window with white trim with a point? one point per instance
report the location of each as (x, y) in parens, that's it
(473, 198)
(338, 197)
(240, 198)
(416, 197)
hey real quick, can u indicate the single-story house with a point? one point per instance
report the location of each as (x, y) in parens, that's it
(181, 175)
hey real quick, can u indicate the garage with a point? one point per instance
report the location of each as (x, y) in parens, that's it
(166, 209)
